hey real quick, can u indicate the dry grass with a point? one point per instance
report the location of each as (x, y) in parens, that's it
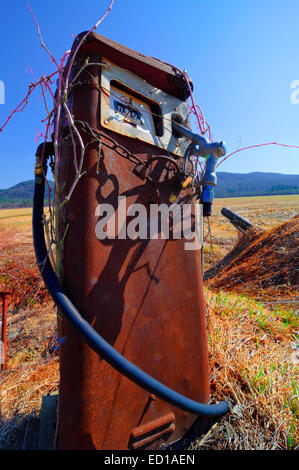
(264, 211)
(18, 270)
(21, 392)
(32, 365)
(262, 265)
(32, 372)
(254, 365)
(253, 354)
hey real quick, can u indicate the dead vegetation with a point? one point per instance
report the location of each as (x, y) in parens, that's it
(261, 264)
(32, 344)
(266, 212)
(18, 270)
(21, 391)
(253, 364)
(32, 372)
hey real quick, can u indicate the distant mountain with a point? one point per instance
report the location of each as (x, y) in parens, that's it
(255, 184)
(228, 185)
(20, 195)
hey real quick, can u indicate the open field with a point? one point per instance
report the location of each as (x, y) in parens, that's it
(11, 216)
(252, 345)
(265, 211)
(17, 218)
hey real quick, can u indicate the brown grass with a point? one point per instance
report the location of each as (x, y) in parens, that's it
(21, 391)
(264, 211)
(262, 264)
(32, 372)
(18, 270)
(254, 365)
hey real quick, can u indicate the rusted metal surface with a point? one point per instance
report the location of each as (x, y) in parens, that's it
(164, 76)
(139, 431)
(4, 296)
(145, 434)
(145, 297)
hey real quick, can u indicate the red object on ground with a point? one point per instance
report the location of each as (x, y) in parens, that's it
(4, 296)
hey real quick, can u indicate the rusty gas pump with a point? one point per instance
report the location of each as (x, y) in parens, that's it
(136, 376)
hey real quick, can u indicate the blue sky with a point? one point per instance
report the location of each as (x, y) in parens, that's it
(242, 57)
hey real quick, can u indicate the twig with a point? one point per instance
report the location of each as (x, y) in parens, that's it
(41, 39)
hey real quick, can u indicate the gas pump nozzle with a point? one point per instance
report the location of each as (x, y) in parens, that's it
(211, 151)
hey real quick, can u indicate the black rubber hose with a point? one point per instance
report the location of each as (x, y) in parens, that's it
(90, 336)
